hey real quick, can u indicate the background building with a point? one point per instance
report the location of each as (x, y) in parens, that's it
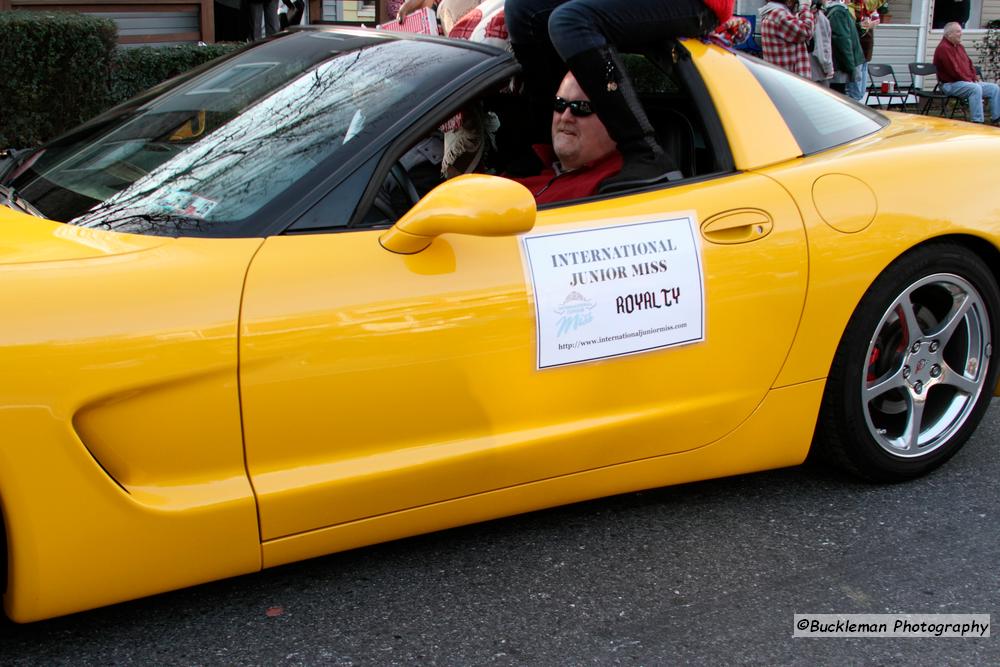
(911, 30)
(163, 22)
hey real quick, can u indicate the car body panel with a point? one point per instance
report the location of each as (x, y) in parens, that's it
(909, 211)
(419, 384)
(756, 132)
(775, 436)
(121, 462)
(27, 240)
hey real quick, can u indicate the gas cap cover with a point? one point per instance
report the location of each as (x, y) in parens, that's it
(844, 202)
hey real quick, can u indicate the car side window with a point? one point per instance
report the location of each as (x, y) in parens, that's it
(485, 135)
(672, 109)
(413, 175)
(817, 118)
(475, 137)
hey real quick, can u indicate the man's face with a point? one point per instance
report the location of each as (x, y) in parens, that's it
(954, 35)
(578, 140)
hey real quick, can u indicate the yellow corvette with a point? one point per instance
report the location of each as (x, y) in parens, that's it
(246, 324)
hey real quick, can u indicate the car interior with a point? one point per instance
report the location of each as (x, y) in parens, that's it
(484, 126)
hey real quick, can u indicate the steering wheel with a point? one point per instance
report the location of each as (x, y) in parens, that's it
(402, 178)
(400, 184)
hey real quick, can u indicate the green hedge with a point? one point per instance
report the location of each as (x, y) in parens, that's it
(61, 68)
(137, 69)
(55, 73)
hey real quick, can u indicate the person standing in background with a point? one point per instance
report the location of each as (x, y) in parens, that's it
(263, 18)
(290, 12)
(821, 57)
(848, 57)
(785, 33)
(231, 22)
(866, 14)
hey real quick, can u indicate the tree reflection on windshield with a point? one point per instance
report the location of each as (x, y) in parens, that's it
(213, 150)
(246, 163)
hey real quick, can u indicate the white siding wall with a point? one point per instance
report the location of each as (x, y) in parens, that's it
(749, 6)
(896, 45)
(153, 23)
(991, 10)
(902, 10)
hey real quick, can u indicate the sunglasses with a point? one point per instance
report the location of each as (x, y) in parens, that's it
(579, 108)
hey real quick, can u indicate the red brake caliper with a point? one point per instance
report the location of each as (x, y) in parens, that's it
(872, 358)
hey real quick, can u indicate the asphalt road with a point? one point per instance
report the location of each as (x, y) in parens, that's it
(704, 573)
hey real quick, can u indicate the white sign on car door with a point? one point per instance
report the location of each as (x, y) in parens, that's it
(616, 290)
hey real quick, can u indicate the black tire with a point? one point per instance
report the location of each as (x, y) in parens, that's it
(895, 407)
(3, 556)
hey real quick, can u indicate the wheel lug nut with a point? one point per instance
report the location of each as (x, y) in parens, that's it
(906, 372)
(918, 387)
(934, 346)
(935, 371)
(915, 348)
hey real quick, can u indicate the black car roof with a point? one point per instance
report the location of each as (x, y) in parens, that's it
(380, 35)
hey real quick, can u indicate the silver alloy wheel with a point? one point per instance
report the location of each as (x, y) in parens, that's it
(926, 365)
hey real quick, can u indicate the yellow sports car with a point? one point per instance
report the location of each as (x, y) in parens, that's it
(246, 322)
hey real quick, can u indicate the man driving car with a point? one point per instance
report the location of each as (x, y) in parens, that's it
(582, 154)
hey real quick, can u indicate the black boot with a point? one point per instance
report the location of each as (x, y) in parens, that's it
(603, 77)
(542, 71)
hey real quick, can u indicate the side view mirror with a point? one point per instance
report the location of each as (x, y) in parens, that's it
(473, 204)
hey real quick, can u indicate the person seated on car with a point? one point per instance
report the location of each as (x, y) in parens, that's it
(582, 154)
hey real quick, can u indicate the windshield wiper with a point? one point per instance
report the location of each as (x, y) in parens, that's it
(11, 159)
(10, 199)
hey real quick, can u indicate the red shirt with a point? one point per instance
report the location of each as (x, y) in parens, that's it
(552, 186)
(953, 63)
(723, 9)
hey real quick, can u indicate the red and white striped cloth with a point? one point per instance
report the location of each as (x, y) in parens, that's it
(784, 37)
(484, 24)
(422, 21)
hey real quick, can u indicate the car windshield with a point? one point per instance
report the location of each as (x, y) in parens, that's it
(214, 149)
